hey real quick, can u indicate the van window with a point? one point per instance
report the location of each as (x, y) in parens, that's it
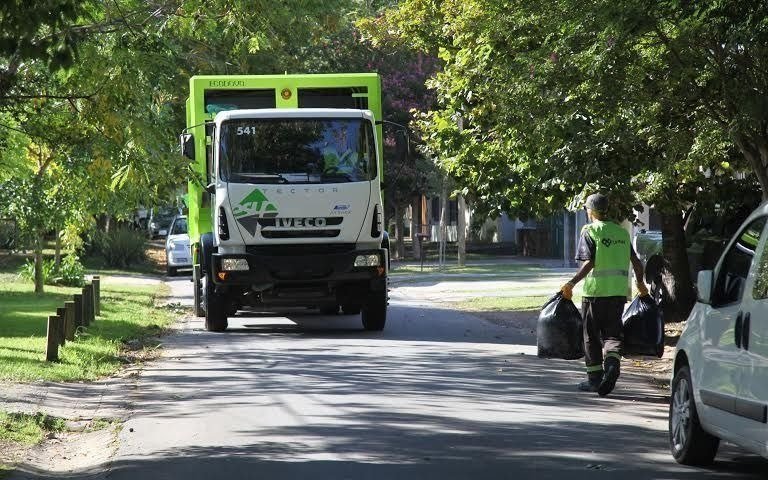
(760, 290)
(732, 276)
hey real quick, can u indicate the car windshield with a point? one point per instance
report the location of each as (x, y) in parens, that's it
(297, 150)
(165, 213)
(179, 227)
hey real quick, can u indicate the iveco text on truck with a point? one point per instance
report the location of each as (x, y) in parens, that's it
(285, 205)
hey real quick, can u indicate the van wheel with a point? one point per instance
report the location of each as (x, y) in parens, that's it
(689, 443)
(171, 271)
(215, 310)
(197, 288)
(375, 311)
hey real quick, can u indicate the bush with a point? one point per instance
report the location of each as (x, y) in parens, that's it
(70, 273)
(27, 271)
(121, 247)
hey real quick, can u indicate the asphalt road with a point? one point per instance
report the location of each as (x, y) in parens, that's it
(438, 395)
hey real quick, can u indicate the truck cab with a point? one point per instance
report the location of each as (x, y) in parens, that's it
(295, 213)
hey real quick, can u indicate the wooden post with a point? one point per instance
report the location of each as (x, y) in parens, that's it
(69, 321)
(52, 345)
(96, 295)
(61, 313)
(87, 304)
(78, 298)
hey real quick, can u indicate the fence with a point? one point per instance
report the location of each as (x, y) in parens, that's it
(78, 313)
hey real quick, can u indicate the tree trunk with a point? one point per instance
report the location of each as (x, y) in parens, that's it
(755, 150)
(398, 231)
(57, 254)
(680, 294)
(416, 226)
(462, 230)
(443, 222)
(39, 263)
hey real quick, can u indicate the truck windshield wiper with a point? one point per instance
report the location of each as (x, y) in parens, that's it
(337, 176)
(272, 177)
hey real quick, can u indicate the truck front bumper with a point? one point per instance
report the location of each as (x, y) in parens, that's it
(296, 278)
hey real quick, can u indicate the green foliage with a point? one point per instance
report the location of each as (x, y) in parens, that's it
(27, 271)
(121, 247)
(559, 100)
(70, 272)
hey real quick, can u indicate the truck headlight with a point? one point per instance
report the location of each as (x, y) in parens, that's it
(372, 260)
(234, 264)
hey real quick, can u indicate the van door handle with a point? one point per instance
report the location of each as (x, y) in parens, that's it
(737, 330)
(745, 332)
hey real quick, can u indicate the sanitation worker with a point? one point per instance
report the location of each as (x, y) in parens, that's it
(606, 252)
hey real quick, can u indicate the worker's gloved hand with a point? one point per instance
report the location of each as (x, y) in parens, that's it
(642, 290)
(567, 291)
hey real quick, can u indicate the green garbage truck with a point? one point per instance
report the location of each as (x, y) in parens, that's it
(285, 196)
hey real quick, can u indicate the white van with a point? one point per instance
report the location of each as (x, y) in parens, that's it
(720, 375)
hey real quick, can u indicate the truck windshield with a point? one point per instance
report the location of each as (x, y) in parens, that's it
(297, 150)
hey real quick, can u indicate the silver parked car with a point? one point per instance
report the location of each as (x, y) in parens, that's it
(177, 252)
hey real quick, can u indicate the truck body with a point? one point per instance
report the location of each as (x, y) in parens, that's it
(285, 204)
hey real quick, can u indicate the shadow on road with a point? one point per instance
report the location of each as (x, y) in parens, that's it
(402, 404)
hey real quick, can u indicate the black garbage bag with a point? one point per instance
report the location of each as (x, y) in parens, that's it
(643, 328)
(559, 330)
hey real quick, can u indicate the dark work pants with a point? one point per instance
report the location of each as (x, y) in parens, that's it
(602, 329)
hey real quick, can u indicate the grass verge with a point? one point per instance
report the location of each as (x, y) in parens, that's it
(506, 304)
(28, 429)
(127, 314)
(470, 269)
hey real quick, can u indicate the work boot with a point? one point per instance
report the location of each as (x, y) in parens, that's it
(593, 381)
(611, 374)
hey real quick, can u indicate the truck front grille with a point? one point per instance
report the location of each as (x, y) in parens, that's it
(300, 249)
(300, 234)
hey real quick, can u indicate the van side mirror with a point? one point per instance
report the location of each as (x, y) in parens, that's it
(704, 286)
(187, 144)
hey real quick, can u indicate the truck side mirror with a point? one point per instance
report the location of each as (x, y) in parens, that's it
(402, 145)
(187, 143)
(704, 286)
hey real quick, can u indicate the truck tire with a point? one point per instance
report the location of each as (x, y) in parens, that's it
(215, 310)
(375, 311)
(350, 309)
(329, 309)
(197, 289)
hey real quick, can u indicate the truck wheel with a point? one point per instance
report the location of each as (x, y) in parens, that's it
(350, 309)
(170, 271)
(690, 444)
(197, 288)
(215, 310)
(375, 312)
(329, 309)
